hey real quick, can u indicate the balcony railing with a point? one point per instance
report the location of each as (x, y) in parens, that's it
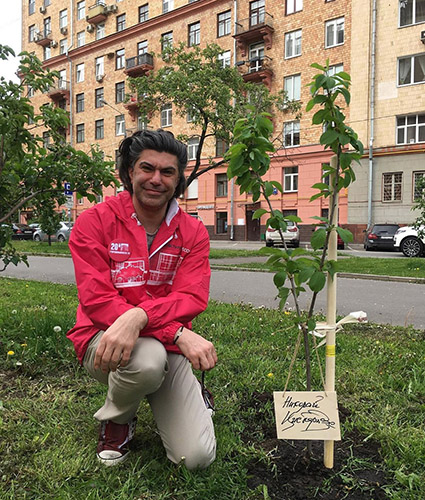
(97, 13)
(60, 90)
(259, 70)
(43, 37)
(259, 20)
(257, 27)
(139, 65)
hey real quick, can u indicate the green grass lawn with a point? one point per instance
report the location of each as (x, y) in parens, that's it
(48, 435)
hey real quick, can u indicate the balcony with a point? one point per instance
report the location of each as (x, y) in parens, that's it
(59, 91)
(132, 106)
(259, 71)
(254, 29)
(139, 65)
(97, 13)
(43, 38)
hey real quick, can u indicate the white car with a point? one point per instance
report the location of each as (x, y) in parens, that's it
(291, 236)
(406, 240)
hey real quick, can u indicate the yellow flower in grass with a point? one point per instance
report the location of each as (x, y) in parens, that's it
(287, 313)
(270, 375)
(10, 353)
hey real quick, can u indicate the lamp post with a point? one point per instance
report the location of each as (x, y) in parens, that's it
(117, 111)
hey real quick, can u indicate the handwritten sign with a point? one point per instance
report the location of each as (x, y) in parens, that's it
(307, 415)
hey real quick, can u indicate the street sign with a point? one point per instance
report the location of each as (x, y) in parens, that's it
(67, 189)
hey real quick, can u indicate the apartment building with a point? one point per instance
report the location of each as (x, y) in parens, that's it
(388, 109)
(96, 45)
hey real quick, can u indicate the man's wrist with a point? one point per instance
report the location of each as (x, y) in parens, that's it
(178, 334)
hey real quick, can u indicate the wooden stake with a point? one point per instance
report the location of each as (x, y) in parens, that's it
(328, 457)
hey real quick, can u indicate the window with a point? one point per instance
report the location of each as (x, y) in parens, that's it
(100, 31)
(166, 115)
(46, 139)
(290, 179)
(120, 59)
(293, 6)
(142, 47)
(30, 91)
(63, 18)
(121, 22)
(256, 13)
(410, 129)
(144, 13)
(119, 92)
(224, 59)
(47, 26)
(142, 122)
(31, 33)
(192, 190)
(392, 186)
(46, 3)
(190, 116)
(120, 125)
(411, 12)
(224, 23)
(31, 7)
(194, 34)
(98, 129)
(47, 53)
(63, 46)
(221, 222)
(166, 40)
(334, 32)
(411, 70)
(98, 97)
(221, 185)
(293, 44)
(256, 57)
(335, 69)
(99, 67)
(81, 10)
(80, 73)
(291, 134)
(79, 102)
(221, 146)
(167, 5)
(192, 148)
(418, 189)
(80, 132)
(292, 86)
(81, 38)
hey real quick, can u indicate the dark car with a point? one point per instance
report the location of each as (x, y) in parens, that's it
(381, 236)
(20, 231)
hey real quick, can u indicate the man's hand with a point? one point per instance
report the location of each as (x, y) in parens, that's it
(118, 341)
(199, 351)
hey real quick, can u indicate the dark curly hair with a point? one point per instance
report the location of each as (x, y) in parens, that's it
(159, 140)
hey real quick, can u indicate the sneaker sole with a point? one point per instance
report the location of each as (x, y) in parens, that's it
(110, 462)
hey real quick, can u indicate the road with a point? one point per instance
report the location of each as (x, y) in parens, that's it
(384, 301)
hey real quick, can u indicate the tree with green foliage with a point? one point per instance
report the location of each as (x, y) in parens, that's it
(212, 94)
(32, 174)
(49, 219)
(249, 161)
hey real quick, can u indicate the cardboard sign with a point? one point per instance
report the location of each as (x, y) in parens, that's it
(307, 415)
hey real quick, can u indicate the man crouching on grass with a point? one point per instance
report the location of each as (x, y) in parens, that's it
(142, 272)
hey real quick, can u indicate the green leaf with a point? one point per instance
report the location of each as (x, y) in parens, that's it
(306, 273)
(329, 137)
(279, 279)
(283, 294)
(259, 213)
(317, 281)
(318, 238)
(293, 218)
(345, 234)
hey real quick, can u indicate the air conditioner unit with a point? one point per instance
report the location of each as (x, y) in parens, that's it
(43, 9)
(423, 37)
(111, 8)
(90, 28)
(99, 78)
(110, 55)
(53, 44)
(64, 30)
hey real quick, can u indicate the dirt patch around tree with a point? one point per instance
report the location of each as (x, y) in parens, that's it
(288, 474)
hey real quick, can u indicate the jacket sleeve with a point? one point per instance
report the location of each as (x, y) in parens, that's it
(99, 299)
(189, 291)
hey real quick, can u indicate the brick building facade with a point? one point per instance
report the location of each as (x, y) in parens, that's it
(96, 45)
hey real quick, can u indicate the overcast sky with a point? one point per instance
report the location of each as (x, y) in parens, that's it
(10, 34)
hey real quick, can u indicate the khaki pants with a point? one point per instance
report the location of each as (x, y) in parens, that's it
(173, 392)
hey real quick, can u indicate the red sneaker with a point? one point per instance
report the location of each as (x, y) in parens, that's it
(114, 441)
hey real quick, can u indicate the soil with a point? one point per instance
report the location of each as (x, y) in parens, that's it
(288, 474)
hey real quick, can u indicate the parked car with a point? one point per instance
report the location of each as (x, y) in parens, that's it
(406, 240)
(291, 236)
(34, 226)
(62, 234)
(20, 231)
(381, 236)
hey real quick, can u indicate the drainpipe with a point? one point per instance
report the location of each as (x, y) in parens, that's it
(71, 96)
(232, 180)
(372, 114)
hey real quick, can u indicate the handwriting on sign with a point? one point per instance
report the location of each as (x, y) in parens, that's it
(307, 415)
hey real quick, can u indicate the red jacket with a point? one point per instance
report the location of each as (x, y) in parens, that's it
(115, 272)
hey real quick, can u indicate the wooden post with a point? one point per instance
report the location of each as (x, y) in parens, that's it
(328, 457)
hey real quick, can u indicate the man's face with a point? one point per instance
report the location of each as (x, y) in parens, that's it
(154, 179)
